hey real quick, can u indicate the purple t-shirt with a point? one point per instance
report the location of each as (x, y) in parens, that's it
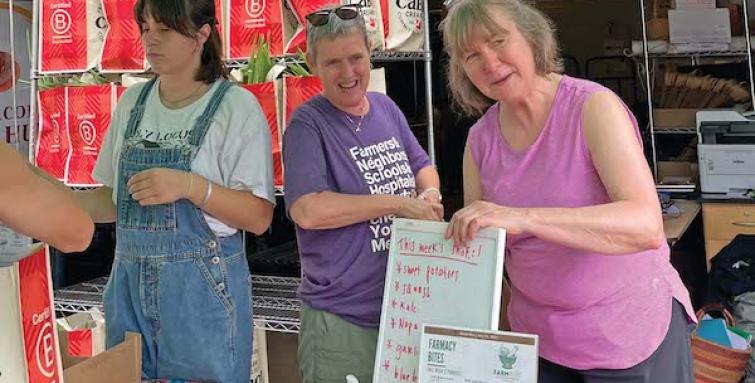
(343, 270)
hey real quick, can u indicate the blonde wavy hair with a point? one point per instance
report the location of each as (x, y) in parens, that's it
(468, 16)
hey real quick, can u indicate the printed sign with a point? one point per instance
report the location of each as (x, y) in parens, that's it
(53, 146)
(250, 19)
(456, 355)
(429, 280)
(71, 35)
(15, 68)
(405, 22)
(89, 113)
(38, 318)
(123, 50)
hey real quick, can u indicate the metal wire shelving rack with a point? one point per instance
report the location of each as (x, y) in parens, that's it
(275, 305)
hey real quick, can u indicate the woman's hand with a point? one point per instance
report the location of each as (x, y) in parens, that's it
(159, 186)
(420, 209)
(467, 222)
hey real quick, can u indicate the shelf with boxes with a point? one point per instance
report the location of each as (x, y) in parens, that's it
(697, 54)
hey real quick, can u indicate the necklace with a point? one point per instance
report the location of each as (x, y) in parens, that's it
(358, 126)
(177, 103)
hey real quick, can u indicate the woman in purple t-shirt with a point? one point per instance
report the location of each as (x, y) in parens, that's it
(352, 164)
(558, 162)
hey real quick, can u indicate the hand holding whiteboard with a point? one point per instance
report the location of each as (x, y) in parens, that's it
(428, 280)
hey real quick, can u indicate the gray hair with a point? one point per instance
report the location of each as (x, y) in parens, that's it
(468, 16)
(334, 28)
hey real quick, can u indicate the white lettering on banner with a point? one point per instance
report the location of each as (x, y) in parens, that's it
(61, 21)
(386, 170)
(45, 351)
(255, 9)
(88, 132)
(41, 317)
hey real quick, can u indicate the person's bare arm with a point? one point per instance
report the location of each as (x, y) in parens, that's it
(236, 208)
(35, 207)
(631, 222)
(329, 210)
(98, 203)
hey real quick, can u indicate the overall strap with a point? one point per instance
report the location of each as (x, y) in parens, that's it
(137, 112)
(203, 122)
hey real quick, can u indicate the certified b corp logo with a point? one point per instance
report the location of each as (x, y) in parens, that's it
(87, 132)
(60, 21)
(55, 132)
(45, 351)
(255, 8)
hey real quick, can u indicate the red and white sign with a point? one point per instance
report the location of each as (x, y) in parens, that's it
(250, 19)
(89, 114)
(123, 50)
(265, 94)
(63, 36)
(38, 319)
(296, 91)
(53, 145)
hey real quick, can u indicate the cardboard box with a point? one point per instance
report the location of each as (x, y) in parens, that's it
(699, 26)
(84, 333)
(694, 4)
(674, 118)
(119, 364)
(678, 173)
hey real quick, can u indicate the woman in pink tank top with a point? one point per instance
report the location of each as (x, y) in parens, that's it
(558, 163)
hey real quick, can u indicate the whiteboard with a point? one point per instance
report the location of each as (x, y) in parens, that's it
(428, 280)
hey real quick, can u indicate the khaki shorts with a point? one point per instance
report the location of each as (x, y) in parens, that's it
(331, 348)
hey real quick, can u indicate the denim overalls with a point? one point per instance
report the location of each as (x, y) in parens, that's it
(186, 291)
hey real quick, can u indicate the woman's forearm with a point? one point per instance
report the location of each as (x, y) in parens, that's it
(239, 209)
(614, 228)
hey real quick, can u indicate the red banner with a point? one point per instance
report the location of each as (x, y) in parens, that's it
(38, 319)
(123, 50)
(265, 94)
(89, 113)
(250, 19)
(63, 37)
(296, 91)
(53, 145)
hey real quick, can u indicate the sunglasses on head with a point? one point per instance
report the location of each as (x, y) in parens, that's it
(322, 17)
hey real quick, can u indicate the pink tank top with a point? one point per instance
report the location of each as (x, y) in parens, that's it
(590, 310)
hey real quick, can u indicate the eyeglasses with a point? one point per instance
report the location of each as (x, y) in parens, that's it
(322, 17)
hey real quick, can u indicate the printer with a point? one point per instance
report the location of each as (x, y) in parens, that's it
(726, 152)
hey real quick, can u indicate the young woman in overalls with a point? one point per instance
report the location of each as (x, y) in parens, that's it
(186, 167)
